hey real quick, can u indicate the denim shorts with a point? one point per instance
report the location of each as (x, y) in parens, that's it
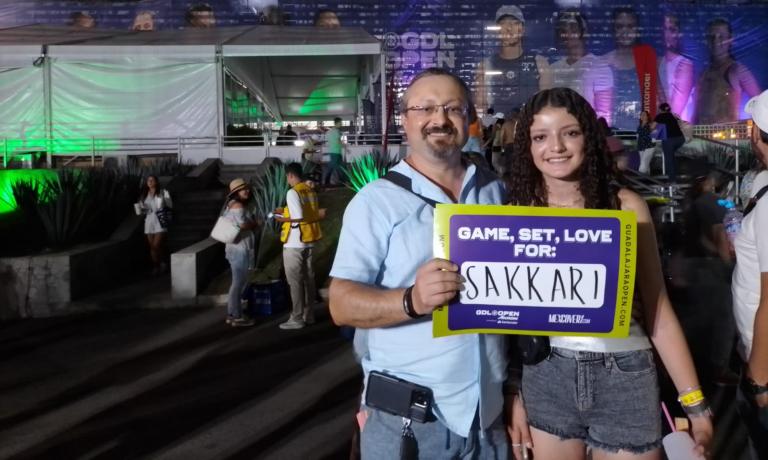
(608, 400)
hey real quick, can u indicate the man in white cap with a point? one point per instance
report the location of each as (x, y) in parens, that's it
(750, 290)
(507, 79)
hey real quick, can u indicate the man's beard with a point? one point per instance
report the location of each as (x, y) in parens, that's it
(441, 149)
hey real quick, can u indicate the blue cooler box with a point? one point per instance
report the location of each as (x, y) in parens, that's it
(265, 299)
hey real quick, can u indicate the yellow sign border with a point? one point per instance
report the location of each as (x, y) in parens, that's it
(627, 261)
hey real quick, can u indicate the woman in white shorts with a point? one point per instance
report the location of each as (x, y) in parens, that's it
(154, 199)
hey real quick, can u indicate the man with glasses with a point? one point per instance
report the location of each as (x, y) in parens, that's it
(386, 283)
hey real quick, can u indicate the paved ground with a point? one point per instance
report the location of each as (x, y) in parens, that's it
(180, 384)
(175, 384)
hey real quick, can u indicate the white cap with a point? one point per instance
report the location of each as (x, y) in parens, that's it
(498, 116)
(758, 108)
(510, 10)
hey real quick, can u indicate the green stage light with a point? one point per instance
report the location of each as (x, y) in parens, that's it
(11, 176)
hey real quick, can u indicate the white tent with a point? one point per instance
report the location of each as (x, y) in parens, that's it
(119, 85)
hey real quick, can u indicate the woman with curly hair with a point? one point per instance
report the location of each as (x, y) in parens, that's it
(592, 391)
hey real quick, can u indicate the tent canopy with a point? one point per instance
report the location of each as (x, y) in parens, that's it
(298, 72)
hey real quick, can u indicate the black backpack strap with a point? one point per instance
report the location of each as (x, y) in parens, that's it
(405, 182)
(753, 201)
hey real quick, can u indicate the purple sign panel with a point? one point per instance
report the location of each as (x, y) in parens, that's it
(538, 270)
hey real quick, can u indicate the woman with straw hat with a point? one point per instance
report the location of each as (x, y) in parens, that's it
(239, 253)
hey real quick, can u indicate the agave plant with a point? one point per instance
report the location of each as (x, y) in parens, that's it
(73, 206)
(366, 169)
(29, 234)
(66, 207)
(270, 190)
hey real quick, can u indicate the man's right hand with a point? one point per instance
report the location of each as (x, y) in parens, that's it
(437, 282)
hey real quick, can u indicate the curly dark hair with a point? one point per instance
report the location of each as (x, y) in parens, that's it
(599, 182)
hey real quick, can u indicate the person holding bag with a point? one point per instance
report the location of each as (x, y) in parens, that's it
(155, 203)
(240, 252)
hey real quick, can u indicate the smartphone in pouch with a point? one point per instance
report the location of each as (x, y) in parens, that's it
(399, 397)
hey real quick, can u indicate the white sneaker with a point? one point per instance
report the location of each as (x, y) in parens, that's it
(292, 324)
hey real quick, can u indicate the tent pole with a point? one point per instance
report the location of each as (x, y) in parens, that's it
(47, 107)
(220, 98)
(383, 80)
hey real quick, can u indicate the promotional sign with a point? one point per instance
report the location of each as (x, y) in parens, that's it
(541, 271)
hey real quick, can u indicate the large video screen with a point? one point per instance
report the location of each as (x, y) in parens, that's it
(705, 60)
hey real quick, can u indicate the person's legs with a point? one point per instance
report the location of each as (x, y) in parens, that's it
(598, 454)
(308, 276)
(550, 391)
(667, 146)
(381, 434)
(151, 245)
(550, 447)
(238, 263)
(160, 250)
(645, 160)
(622, 407)
(292, 262)
(333, 168)
(155, 241)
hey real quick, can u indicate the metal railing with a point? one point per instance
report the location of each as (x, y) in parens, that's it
(94, 148)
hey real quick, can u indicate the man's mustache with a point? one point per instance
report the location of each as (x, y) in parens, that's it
(439, 130)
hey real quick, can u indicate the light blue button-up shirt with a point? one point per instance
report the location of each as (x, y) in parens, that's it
(385, 238)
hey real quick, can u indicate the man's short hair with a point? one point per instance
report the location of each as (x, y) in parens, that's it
(628, 10)
(323, 12)
(337, 121)
(664, 107)
(435, 72)
(569, 16)
(295, 169)
(720, 22)
(197, 8)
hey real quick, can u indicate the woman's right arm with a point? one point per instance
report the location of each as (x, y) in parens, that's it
(661, 322)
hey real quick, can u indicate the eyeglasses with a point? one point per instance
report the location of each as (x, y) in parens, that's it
(453, 111)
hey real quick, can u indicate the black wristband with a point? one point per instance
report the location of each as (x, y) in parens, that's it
(408, 303)
(754, 388)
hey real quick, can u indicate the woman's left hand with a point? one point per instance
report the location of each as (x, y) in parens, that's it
(702, 431)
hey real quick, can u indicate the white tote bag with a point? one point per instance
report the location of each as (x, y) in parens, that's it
(225, 230)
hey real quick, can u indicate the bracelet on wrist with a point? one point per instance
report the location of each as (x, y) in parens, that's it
(753, 387)
(408, 304)
(691, 398)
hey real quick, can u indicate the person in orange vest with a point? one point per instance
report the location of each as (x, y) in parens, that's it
(301, 229)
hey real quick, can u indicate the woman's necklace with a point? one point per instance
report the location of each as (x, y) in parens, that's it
(577, 203)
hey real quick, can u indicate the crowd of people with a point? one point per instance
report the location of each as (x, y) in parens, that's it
(202, 15)
(583, 394)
